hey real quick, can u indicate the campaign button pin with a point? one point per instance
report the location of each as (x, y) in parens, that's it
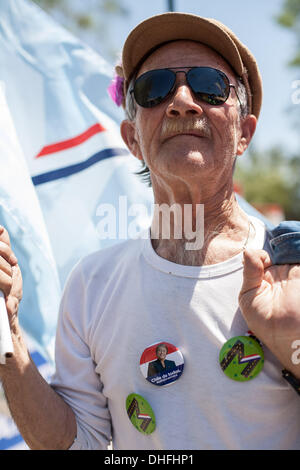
(161, 363)
(140, 413)
(241, 358)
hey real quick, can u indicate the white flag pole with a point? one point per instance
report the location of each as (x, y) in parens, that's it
(6, 345)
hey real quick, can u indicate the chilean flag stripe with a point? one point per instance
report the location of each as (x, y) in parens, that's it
(250, 357)
(77, 167)
(69, 143)
(144, 416)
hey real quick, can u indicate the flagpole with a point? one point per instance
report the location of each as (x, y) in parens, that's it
(170, 5)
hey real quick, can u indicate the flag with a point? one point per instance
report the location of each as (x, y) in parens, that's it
(20, 213)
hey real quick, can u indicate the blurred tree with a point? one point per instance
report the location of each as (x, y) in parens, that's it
(270, 177)
(289, 17)
(89, 19)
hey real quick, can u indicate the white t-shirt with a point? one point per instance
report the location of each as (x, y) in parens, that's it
(120, 300)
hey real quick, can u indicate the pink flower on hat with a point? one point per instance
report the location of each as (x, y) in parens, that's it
(115, 89)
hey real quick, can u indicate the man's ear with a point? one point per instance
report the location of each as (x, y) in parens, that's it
(248, 126)
(128, 134)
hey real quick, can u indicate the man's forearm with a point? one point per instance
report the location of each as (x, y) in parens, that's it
(43, 418)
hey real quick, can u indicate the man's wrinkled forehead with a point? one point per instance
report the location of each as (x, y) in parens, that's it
(184, 53)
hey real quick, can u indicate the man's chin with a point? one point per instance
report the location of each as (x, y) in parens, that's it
(191, 159)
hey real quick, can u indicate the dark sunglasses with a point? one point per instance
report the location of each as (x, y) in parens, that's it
(209, 85)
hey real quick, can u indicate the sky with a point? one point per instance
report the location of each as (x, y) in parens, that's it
(253, 22)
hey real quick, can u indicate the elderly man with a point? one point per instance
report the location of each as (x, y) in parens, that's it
(192, 93)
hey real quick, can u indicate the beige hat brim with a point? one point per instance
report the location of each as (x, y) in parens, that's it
(160, 29)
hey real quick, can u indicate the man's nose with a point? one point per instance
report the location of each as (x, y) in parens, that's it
(183, 102)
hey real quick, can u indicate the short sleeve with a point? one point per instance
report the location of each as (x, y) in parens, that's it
(75, 379)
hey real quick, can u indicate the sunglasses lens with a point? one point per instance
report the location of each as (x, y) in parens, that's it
(209, 85)
(151, 88)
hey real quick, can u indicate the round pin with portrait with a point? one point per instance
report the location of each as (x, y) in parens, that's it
(161, 363)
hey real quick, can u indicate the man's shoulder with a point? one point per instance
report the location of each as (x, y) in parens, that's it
(110, 258)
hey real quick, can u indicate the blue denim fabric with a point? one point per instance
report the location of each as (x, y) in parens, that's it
(285, 243)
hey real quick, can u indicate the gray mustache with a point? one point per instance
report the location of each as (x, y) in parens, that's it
(178, 125)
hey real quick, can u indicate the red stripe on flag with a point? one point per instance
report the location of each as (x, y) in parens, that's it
(69, 143)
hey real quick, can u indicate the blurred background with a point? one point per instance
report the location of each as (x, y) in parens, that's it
(268, 175)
